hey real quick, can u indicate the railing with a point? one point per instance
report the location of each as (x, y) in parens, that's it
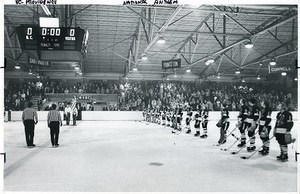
(58, 97)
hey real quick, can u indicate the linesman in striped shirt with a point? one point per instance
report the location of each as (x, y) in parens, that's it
(29, 118)
(54, 122)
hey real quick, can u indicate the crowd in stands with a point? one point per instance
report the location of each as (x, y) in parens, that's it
(138, 95)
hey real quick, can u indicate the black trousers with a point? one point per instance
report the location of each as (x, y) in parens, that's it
(29, 131)
(54, 132)
(74, 119)
(68, 117)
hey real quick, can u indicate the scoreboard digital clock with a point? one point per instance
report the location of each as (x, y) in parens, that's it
(35, 38)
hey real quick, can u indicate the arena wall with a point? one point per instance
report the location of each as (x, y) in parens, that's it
(127, 115)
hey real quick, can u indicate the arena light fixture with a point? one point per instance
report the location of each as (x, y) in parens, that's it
(273, 62)
(144, 57)
(161, 40)
(30, 72)
(237, 71)
(38, 76)
(260, 64)
(218, 76)
(283, 73)
(296, 79)
(134, 68)
(76, 68)
(168, 79)
(206, 63)
(258, 77)
(249, 45)
(211, 60)
(188, 70)
(243, 80)
(17, 67)
(80, 73)
(175, 75)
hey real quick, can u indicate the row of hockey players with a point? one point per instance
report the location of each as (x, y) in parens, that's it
(173, 117)
(251, 117)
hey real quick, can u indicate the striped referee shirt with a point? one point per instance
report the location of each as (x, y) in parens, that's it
(29, 114)
(54, 115)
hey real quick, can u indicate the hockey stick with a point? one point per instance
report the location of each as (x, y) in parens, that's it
(247, 157)
(225, 137)
(236, 152)
(226, 149)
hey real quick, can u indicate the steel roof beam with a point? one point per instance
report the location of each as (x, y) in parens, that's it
(141, 16)
(163, 28)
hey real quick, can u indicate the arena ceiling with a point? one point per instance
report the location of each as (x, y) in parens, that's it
(120, 35)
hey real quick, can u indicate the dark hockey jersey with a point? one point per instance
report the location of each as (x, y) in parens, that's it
(205, 114)
(265, 117)
(284, 120)
(225, 114)
(198, 118)
(243, 114)
(253, 112)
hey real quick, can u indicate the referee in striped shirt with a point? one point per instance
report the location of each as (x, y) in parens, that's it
(29, 118)
(54, 121)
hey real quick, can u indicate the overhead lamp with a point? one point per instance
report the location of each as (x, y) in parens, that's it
(38, 76)
(210, 60)
(175, 75)
(283, 73)
(168, 79)
(161, 40)
(126, 77)
(134, 68)
(144, 57)
(17, 67)
(249, 45)
(258, 77)
(273, 62)
(237, 71)
(218, 76)
(243, 80)
(296, 79)
(30, 73)
(80, 73)
(260, 64)
(188, 70)
(76, 68)
(207, 63)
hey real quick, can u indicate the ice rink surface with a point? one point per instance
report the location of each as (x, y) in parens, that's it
(116, 156)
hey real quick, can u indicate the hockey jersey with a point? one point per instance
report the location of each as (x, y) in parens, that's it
(225, 114)
(243, 114)
(284, 120)
(265, 117)
(253, 113)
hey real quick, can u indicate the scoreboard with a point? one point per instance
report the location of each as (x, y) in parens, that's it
(53, 43)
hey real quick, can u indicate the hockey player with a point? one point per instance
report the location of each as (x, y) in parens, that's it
(204, 119)
(178, 120)
(157, 116)
(224, 123)
(188, 119)
(168, 117)
(242, 121)
(197, 118)
(284, 124)
(163, 116)
(252, 119)
(265, 127)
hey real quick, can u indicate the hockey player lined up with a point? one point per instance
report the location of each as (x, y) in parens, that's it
(163, 116)
(188, 119)
(252, 119)
(204, 120)
(197, 118)
(224, 123)
(265, 127)
(282, 130)
(169, 115)
(177, 120)
(242, 122)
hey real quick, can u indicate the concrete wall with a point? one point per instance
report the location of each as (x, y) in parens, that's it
(128, 115)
